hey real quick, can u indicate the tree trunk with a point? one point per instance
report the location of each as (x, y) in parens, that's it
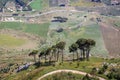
(87, 54)
(62, 56)
(77, 55)
(83, 53)
(39, 59)
(73, 56)
(57, 55)
(50, 58)
(54, 54)
(45, 58)
(34, 58)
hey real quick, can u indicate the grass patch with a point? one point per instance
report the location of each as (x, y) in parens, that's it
(36, 29)
(39, 4)
(10, 41)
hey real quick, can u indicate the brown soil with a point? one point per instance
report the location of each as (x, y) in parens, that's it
(111, 38)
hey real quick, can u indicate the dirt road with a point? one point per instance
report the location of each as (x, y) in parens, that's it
(65, 70)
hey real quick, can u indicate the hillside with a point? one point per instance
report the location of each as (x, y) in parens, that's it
(44, 39)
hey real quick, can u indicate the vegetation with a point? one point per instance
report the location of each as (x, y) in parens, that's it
(114, 74)
(86, 66)
(68, 76)
(54, 51)
(7, 40)
(36, 29)
(85, 46)
(39, 4)
(33, 53)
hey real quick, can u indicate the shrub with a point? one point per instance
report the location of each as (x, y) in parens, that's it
(101, 71)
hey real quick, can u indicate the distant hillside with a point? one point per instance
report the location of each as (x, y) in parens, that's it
(3, 2)
(22, 3)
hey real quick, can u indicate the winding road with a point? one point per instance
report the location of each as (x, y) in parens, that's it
(66, 70)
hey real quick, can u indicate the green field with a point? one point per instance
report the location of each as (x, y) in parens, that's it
(36, 29)
(39, 4)
(10, 41)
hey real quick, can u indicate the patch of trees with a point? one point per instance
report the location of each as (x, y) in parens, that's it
(51, 52)
(84, 46)
(56, 51)
(60, 19)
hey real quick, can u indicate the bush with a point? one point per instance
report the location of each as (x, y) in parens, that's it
(101, 71)
(105, 66)
(86, 77)
(114, 74)
(93, 71)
